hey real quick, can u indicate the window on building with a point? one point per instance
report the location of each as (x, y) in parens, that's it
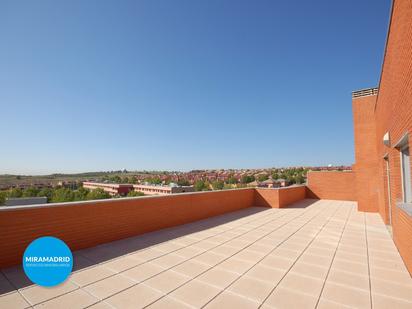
(406, 173)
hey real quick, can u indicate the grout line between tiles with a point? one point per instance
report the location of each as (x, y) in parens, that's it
(333, 258)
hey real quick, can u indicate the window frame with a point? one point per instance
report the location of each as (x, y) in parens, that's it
(402, 149)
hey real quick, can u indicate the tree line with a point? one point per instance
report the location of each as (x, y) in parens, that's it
(60, 194)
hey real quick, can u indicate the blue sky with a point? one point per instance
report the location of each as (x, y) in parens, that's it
(180, 85)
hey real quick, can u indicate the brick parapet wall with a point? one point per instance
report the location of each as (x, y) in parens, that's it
(87, 224)
(279, 197)
(332, 185)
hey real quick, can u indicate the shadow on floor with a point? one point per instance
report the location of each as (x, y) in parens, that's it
(14, 277)
(302, 204)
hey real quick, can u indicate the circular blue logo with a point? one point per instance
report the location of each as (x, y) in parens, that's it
(47, 261)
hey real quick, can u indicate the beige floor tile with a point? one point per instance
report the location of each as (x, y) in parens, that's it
(147, 254)
(327, 304)
(349, 279)
(349, 257)
(166, 281)
(191, 268)
(392, 289)
(262, 248)
(402, 277)
(307, 285)
(293, 246)
(90, 275)
(218, 277)
(248, 255)
(72, 300)
(353, 248)
(195, 293)
(209, 258)
(186, 241)
(189, 252)
(205, 245)
(384, 302)
(168, 247)
(320, 251)
(323, 245)
(351, 267)
(143, 272)
(271, 275)
(289, 299)
(277, 262)
(235, 265)
(385, 255)
(316, 260)
(168, 260)
(122, 264)
(309, 270)
(138, 296)
(286, 253)
(13, 300)
(236, 243)
(398, 265)
(251, 288)
(229, 300)
(109, 286)
(169, 303)
(220, 239)
(37, 294)
(225, 250)
(346, 296)
(100, 305)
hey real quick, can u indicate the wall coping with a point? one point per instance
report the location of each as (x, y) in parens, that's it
(281, 188)
(75, 203)
(345, 171)
(114, 200)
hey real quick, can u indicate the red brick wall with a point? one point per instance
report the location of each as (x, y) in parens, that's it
(279, 197)
(402, 235)
(267, 198)
(366, 160)
(393, 114)
(331, 185)
(291, 195)
(87, 224)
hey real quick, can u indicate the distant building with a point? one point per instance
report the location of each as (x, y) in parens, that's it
(20, 201)
(282, 182)
(111, 188)
(253, 184)
(150, 189)
(269, 183)
(67, 184)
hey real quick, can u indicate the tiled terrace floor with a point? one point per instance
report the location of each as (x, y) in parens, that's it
(318, 254)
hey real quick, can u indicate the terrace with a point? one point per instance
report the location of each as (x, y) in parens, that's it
(294, 252)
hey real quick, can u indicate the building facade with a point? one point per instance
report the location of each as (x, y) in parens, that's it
(111, 188)
(383, 134)
(162, 190)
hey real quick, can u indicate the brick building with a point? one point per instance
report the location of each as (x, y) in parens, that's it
(162, 190)
(111, 188)
(383, 134)
(382, 118)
